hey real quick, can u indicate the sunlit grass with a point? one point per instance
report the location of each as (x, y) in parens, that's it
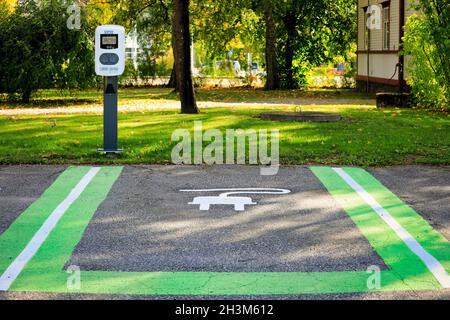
(366, 135)
(149, 96)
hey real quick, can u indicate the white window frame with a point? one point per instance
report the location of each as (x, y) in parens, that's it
(386, 26)
(366, 29)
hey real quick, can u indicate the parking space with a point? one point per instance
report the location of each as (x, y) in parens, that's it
(20, 186)
(147, 224)
(224, 231)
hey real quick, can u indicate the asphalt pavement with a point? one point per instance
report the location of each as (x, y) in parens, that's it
(148, 224)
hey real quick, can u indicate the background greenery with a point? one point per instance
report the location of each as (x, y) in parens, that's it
(37, 50)
(427, 42)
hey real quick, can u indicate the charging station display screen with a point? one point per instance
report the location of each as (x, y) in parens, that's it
(109, 50)
(109, 41)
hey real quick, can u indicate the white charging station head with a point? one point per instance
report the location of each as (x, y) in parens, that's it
(109, 50)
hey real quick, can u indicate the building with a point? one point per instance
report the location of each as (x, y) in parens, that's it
(132, 48)
(380, 65)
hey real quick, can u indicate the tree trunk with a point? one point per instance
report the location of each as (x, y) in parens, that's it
(272, 80)
(183, 57)
(26, 96)
(290, 50)
(173, 75)
(173, 79)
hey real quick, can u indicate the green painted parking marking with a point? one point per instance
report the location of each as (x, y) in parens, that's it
(45, 272)
(54, 253)
(15, 238)
(431, 240)
(394, 252)
(434, 248)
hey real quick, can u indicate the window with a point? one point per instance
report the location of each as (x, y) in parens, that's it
(386, 26)
(366, 29)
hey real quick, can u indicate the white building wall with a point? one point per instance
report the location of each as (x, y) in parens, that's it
(376, 36)
(381, 65)
(395, 25)
(132, 47)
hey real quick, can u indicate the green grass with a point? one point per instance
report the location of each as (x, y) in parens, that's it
(366, 136)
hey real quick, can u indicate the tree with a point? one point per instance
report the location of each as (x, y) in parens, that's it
(8, 5)
(427, 42)
(152, 19)
(183, 56)
(173, 83)
(272, 81)
(38, 51)
(298, 34)
(310, 33)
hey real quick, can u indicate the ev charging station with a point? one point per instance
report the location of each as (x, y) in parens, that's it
(110, 63)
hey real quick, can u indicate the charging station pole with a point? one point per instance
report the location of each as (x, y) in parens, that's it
(110, 63)
(110, 98)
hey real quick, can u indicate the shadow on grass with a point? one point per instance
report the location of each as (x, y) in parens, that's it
(63, 98)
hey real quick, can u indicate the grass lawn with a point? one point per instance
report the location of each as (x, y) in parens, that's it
(366, 136)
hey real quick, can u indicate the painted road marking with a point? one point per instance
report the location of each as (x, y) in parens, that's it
(16, 267)
(25, 226)
(46, 270)
(431, 262)
(239, 203)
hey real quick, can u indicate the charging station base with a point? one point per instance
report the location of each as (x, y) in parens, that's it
(118, 151)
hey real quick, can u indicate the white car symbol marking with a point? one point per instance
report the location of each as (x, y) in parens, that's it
(239, 203)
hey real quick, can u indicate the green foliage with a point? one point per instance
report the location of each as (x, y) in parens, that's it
(148, 66)
(308, 33)
(151, 22)
(131, 72)
(427, 42)
(225, 68)
(221, 26)
(311, 33)
(37, 50)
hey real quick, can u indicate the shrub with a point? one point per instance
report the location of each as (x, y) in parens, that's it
(38, 51)
(427, 42)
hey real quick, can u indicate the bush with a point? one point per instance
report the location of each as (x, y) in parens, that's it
(427, 42)
(38, 51)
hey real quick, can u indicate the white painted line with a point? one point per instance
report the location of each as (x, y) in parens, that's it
(16, 267)
(431, 262)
